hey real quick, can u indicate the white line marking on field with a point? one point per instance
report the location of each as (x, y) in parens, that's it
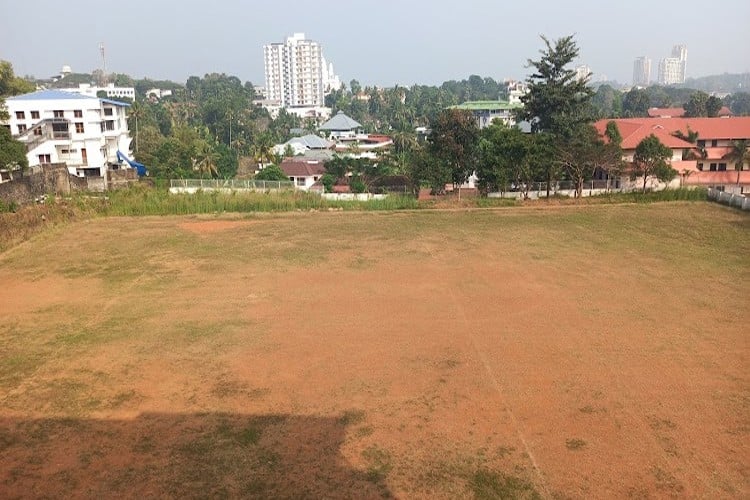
(499, 390)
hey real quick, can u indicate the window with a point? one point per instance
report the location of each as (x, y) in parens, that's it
(701, 144)
(712, 167)
(291, 179)
(108, 125)
(58, 113)
(722, 167)
(300, 181)
(20, 115)
(78, 113)
(714, 143)
(21, 129)
(107, 111)
(45, 159)
(79, 128)
(35, 115)
(38, 131)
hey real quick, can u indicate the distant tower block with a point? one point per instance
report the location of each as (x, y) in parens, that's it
(642, 71)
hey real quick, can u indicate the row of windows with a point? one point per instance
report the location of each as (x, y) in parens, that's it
(58, 113)
(38, 131)
(714, 167)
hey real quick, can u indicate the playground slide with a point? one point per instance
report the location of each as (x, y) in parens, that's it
(140, 167)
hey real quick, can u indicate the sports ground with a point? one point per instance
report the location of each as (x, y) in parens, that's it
(572, 352)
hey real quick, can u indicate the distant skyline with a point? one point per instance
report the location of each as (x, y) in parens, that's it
(384, 43)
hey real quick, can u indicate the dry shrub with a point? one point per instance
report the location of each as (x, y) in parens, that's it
(19, 226)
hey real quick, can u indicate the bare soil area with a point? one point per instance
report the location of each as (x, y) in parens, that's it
(587, 352)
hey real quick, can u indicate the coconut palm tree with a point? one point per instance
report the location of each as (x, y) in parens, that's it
(741, 154)
(205, 160)
(136, 111)
(262, 149)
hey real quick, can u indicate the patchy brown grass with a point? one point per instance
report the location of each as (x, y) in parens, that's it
(566, 352)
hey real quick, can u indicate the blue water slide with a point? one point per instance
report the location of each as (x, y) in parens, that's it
(139, 167)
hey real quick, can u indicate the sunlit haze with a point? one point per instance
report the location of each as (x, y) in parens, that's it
(382, 43)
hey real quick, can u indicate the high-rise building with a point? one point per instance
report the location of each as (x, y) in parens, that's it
(297, 75)
(642, 71)
(583, 72)
(672, 69)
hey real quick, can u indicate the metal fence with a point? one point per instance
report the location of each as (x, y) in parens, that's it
(229, 184)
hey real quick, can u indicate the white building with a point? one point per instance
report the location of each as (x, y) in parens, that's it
(63, 127)
(515, 90)
(297, 74)
(583, 72)
(642, 71)
(110, 90)
(672, 69)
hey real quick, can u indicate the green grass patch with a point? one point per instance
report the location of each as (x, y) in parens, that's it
(489, 485)
(575, 444)
(352, 417)
(379, 463)
(143, 200)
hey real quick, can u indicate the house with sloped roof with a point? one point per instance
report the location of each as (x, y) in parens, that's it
(86, 133)
(304, 144)
(710, 161)
(304, 173)
(485, 112)
(341, 126)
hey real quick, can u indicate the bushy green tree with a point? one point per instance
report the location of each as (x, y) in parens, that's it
(453, 143)
(557, 102)
(11, 85)
(12, 152)
(271, 173)
(651, 158)
(584, 152)
(635, 103)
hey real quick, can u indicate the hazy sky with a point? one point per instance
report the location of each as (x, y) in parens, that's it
(377, 42)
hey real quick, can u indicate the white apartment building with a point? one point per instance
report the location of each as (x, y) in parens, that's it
(81, 131)
(110, 90)
(515, 90)
(297, 75)
(583, 72)
(672, 69)
(642, 71)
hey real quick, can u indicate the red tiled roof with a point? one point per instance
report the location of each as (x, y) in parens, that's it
(378, 138)
(634, 130)
(718, 153)
(679, 112)
(301, 168)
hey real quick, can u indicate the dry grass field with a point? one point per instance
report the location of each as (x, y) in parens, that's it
(566, 352)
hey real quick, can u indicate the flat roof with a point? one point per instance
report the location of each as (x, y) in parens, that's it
(486, 105)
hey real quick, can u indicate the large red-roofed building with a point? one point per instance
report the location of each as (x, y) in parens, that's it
(710, 161)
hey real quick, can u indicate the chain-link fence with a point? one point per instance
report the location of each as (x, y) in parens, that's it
(190, 185)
